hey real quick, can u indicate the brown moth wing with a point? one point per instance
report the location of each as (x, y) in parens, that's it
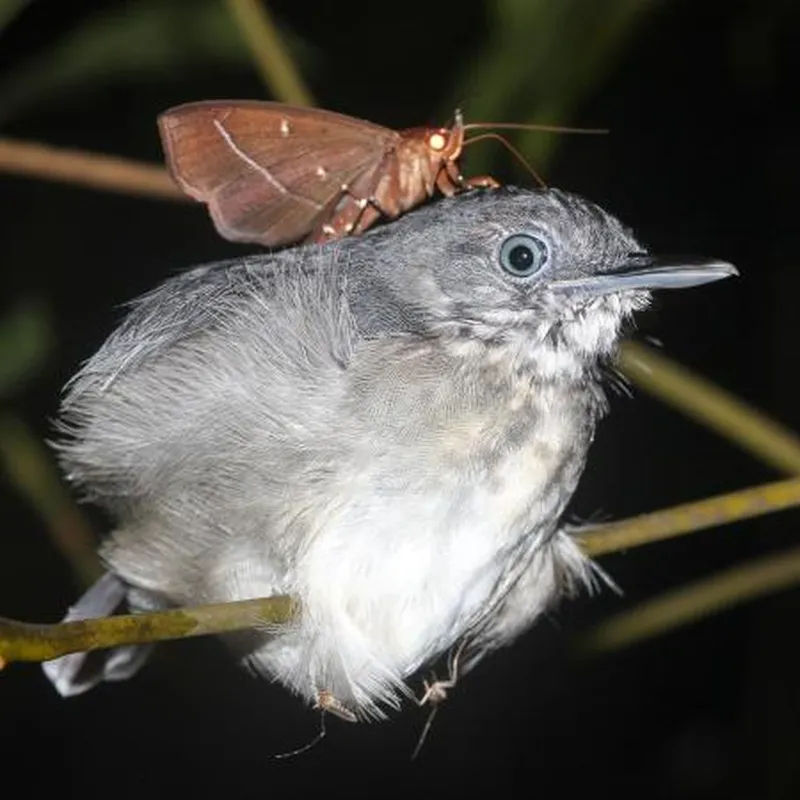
(271, 173)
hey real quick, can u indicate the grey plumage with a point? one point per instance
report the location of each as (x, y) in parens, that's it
(388, 427)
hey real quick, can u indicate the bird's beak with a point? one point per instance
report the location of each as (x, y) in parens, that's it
(643, 271)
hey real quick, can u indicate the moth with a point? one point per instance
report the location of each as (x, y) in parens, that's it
(275, 174)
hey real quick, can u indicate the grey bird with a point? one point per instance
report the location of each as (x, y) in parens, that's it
(388, 428)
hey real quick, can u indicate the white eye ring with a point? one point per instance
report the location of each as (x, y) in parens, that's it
(523, 255)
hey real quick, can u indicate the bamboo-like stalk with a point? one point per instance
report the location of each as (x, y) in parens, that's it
(691, 517)
(701, 400)
(81, 168)
(274, 64)
(22, 641)
(690, 603)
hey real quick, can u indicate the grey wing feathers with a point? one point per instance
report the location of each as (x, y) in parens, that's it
(235, 360)
(174, 311)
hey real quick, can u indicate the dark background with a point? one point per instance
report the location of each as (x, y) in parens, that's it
(703, 108)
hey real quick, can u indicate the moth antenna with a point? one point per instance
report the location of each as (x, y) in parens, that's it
(513, 150)
(533, 126)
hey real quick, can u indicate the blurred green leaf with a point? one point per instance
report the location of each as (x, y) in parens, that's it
(541, 61)
(149, 38)
(9, 9)
(26, 340)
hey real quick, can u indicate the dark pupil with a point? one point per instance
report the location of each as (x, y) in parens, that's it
(520, 257)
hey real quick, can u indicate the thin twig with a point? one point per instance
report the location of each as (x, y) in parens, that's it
(82, 168)
(271, 59)
(701, 598)
(692, 517)
(712, 406)
(691, 603)
(21, 641)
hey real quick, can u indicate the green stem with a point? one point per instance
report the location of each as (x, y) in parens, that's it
(273, 62)
(691, 517)
(711, 406)
(690, 603)
(21, 641)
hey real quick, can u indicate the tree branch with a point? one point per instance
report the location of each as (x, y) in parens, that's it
(691, 517)
(87, 169)
(21, 641)
(690, 603)
(712, 406)
(274, 64)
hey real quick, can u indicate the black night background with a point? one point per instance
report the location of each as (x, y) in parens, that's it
(701, 100)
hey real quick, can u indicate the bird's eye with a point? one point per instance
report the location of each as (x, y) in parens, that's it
(523, 255)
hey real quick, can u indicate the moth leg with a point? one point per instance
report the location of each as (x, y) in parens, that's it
(482, 182)
(327, 702)
(356, 215)
(370, 211)
(450, 181)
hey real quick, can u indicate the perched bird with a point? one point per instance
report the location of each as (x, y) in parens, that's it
(387, 427)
